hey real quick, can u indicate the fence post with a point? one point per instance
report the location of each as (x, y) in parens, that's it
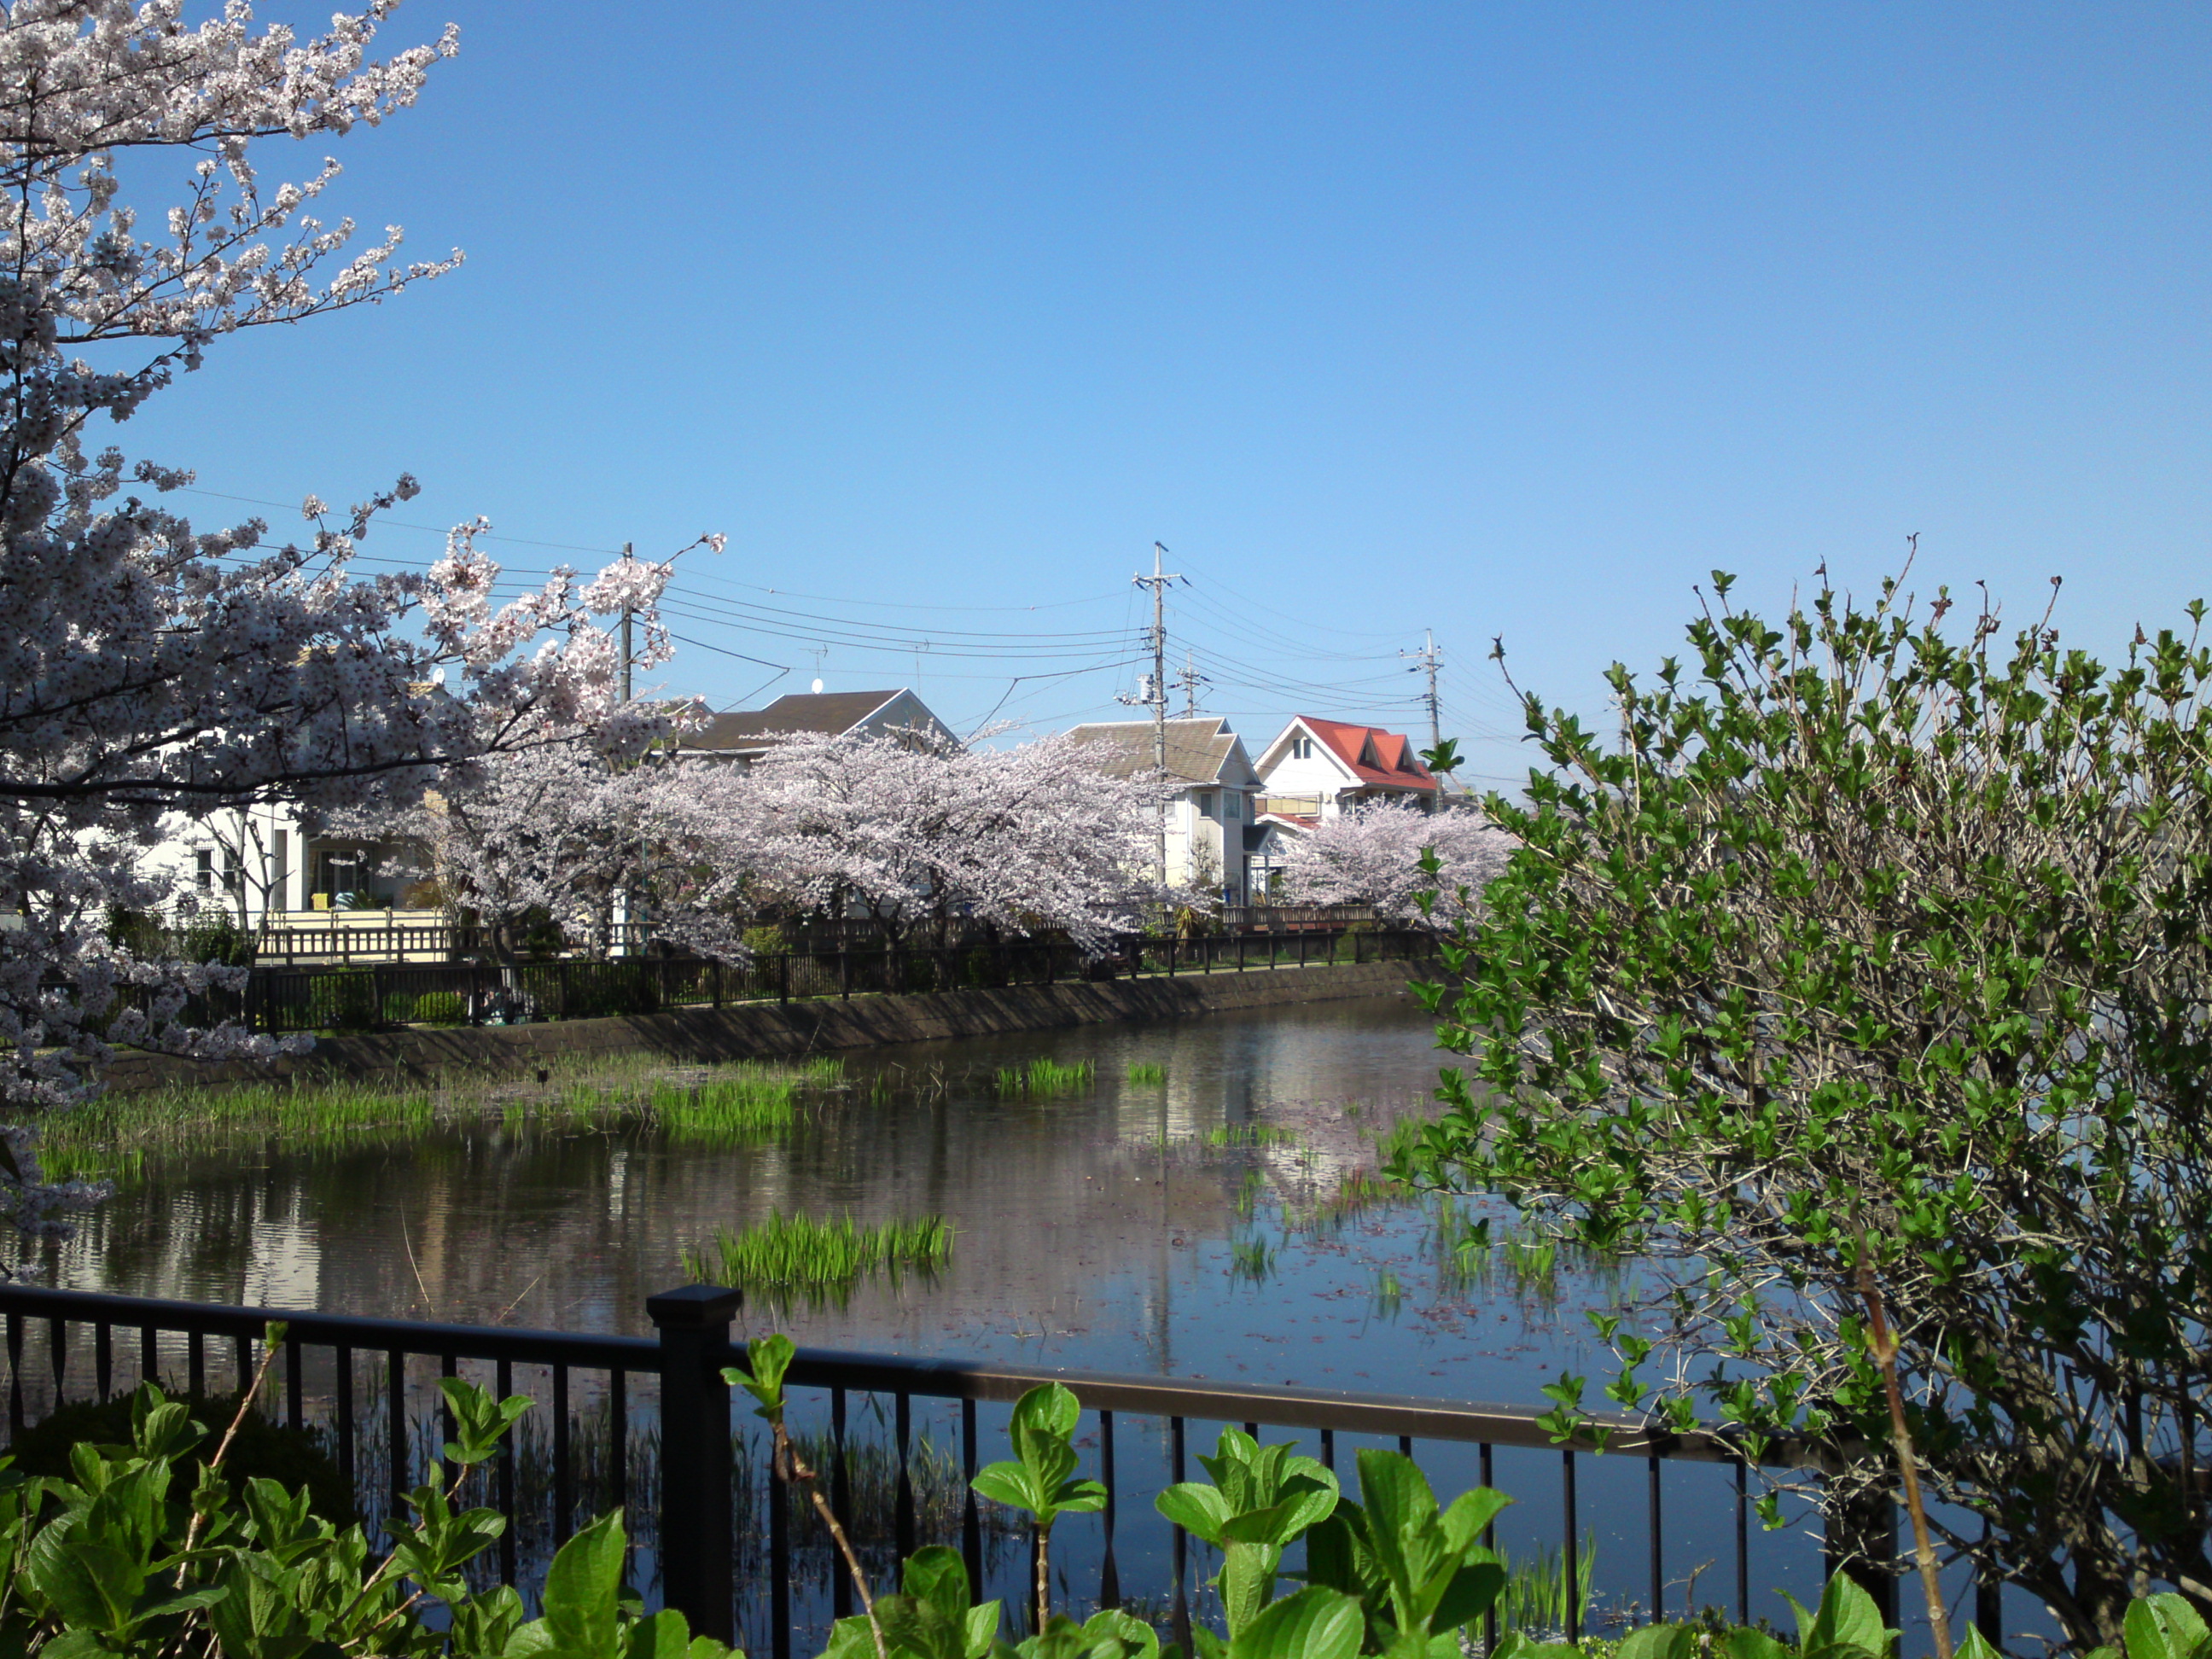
(844, 970)
(783, 978)
(696, 1541)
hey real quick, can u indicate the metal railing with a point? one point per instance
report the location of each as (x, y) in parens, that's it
(380, 995)
(392, 936)
(371, 1370)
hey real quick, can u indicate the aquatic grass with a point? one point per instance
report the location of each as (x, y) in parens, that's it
(796, 1260)
(1143, 1070)
(1388, 1296)
(1044, 1077)
(1250, 1135)
(114, 1137)
(123, 1137)
(1537, 1599)
(1359, 1193)
(1253, 1258)
(1247, 1198)
(754, 1103)
(1479, 1259)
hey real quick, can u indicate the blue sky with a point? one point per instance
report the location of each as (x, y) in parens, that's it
(1487, 320)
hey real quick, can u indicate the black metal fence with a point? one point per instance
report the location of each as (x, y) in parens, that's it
(368, 997)
(715, 1534)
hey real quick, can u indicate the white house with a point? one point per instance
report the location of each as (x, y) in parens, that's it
(260, 867)
(745, 735)
(1206, 819)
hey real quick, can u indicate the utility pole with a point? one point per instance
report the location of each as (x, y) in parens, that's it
(1429, 659)
(625, 641)
(1156, 691)
(1188, 680)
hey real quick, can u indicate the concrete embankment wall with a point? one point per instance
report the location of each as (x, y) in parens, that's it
(757, 1031)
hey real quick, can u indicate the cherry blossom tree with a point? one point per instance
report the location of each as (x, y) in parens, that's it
(912, 836)
(1371, 854)
(559, 832)
(154, 668)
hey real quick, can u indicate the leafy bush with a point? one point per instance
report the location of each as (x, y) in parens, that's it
(121, 1560)
(344, 1001)
(294, 1458)
(602, 990)
(441, 1008)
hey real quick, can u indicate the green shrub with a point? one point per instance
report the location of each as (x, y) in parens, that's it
(983, 968)
(344, 1001)
(294, 1458)
(441, 1008)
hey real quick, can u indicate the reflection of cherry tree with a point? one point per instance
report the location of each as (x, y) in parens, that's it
(912, 836)
(1371, 854)
(156, 669)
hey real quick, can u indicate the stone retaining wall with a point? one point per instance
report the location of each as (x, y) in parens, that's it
(757, 1031)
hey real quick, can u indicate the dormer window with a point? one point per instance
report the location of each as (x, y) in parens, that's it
(1302, 747)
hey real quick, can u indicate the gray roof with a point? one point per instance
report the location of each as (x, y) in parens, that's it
(1197, 750)
(821, 711)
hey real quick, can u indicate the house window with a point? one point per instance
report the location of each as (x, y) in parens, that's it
(1232, 806)
(203, 869)
(1206, 803)
(279, 857)
(1301, 748)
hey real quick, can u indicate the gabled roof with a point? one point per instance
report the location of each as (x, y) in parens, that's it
(1373, 755)
(1198, 751)
(822, 711)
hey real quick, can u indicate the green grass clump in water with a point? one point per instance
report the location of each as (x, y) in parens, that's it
(115, 1136)
(1249, 1134)
(1044, 1077)
(728, 1106)
(1537, 1599)
(124, 1137)
(793, 1260)
(1143, 1070)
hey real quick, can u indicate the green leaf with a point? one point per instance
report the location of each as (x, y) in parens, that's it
(1010, 1484)
(1114, 1634)
(767, 1360)
(1316, 1623)
(1470, 1593)
(936, 1574)
(1198, 1509)
(1744, 1643)
(1658, 1642)
(582, 1589)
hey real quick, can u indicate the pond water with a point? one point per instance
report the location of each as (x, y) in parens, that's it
(1193, 1226)
(1182, 1227)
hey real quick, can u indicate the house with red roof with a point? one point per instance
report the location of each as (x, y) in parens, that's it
(1316, 768)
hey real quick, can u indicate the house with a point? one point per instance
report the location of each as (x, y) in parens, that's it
(744, 736)
(257, 866)
(1315, 768)
(1207, 816)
